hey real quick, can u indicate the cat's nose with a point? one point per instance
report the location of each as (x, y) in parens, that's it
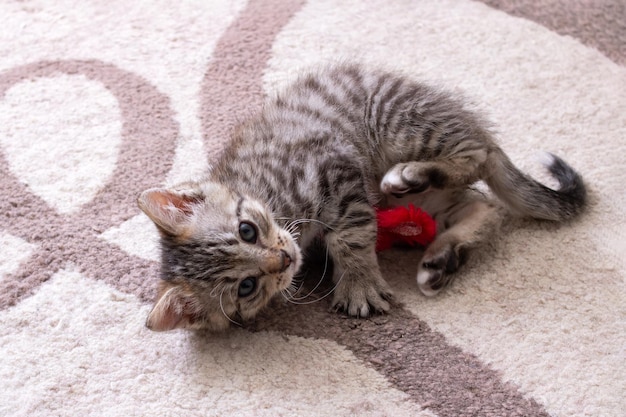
(276, 262)
(285, 260)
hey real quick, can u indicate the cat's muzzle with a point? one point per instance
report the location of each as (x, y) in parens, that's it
(285, 260)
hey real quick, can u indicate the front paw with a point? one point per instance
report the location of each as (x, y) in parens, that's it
(361, 297)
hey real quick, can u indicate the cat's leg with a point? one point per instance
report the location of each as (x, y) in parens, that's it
(467, 223)
(359, 285)
(418, 176)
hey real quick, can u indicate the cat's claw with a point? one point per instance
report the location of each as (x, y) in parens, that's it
(361, 301)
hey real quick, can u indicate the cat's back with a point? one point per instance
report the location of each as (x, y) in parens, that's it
(318, 116)
(345, 112)
(387, 117)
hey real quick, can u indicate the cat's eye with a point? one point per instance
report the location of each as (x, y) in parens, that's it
(247, 287)
(247, 231)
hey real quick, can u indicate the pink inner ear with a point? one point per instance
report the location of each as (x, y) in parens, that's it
(170, 210)
(172, 312)
(167, 319)
(181, 202)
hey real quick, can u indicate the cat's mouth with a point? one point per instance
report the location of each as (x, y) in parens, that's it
(286, 260)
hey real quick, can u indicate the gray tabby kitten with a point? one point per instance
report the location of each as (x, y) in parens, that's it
(314, 163)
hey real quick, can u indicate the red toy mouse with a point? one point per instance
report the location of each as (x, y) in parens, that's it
(407, 226)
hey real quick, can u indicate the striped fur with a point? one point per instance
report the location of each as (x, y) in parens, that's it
(314, 162)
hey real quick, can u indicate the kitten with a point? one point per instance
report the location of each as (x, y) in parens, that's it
(314, 162)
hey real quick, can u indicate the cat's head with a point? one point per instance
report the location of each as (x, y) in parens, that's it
(223, 256)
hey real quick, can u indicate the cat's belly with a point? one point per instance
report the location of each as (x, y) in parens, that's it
(431, 201)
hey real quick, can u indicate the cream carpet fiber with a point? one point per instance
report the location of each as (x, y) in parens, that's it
(100, 100)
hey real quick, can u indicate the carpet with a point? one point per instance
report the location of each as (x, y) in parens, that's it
(100, 100)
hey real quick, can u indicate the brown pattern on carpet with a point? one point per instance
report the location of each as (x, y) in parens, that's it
(232, 87)
(600, 24)
(149, 134)
(414, 358)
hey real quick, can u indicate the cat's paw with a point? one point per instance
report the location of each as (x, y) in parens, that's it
(360, 298)
(436, 269)
(404, 178)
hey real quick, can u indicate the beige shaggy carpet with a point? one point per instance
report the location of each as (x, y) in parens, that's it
(102, 99)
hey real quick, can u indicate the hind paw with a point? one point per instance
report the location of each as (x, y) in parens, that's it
(435, 271)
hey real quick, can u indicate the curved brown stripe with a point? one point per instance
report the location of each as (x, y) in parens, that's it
(599, 24)
(232, 86)
(22, 211)
(149, 133)
(414, 358)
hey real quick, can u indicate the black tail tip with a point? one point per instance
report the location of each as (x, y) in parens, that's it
(571, 184)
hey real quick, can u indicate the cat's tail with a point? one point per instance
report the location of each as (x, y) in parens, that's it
(529, 197)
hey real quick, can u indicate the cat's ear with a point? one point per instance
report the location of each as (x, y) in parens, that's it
(172, 310)
(171, 210)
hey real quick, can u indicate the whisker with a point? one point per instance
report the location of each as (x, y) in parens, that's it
(291, 226)
(317, 299)
(318, 283)
(294, 288)
(217, 287)
(224, 312)
(300, 221)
